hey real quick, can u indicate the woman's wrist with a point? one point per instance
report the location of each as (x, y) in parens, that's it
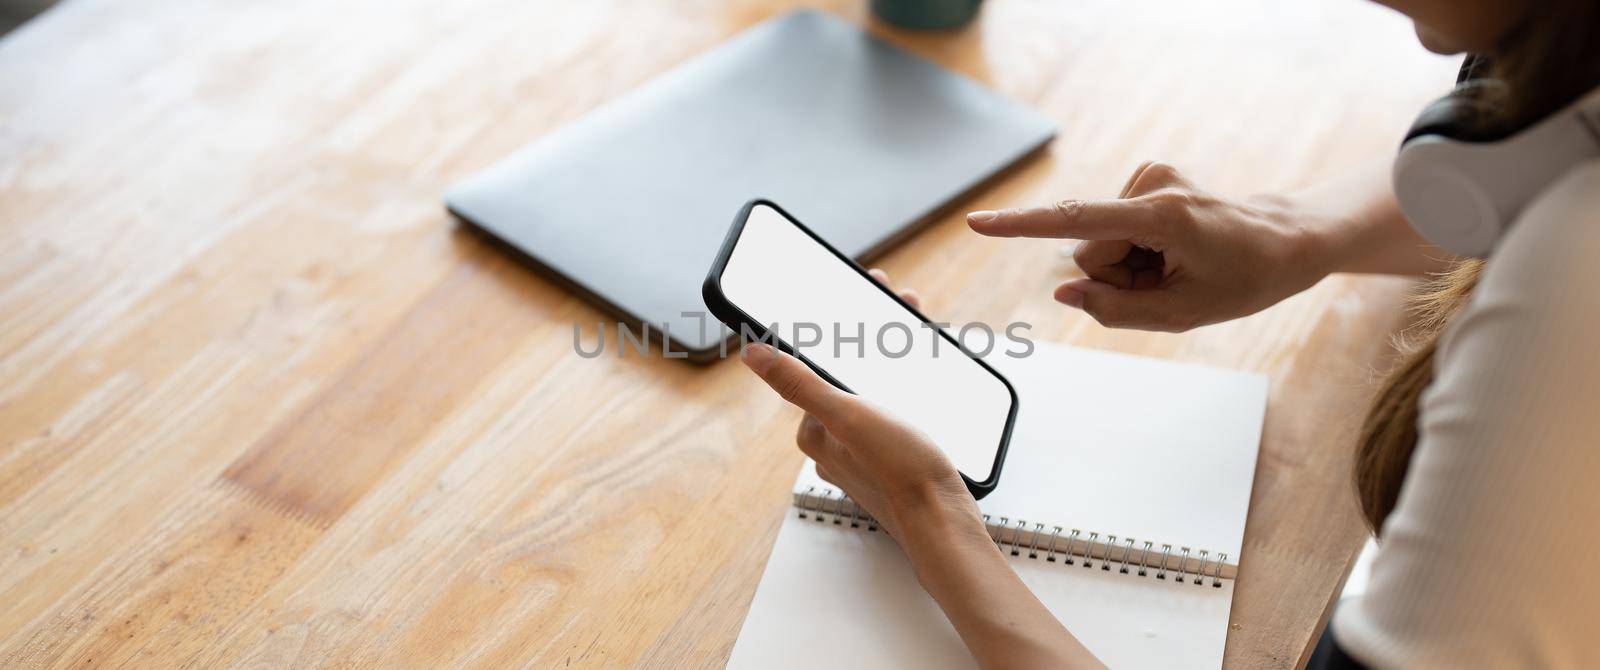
(946, 546)
(1314, 241)
(1002, 622)
(1354, 224)
(932, 508)
(938, 526)
(936, 522)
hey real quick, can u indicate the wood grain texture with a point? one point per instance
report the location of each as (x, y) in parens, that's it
(262, 403)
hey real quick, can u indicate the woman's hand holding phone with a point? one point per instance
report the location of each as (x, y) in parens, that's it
(883, 464)
(914, 491)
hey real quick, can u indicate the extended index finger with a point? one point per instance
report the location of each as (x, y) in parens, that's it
(1074, 219)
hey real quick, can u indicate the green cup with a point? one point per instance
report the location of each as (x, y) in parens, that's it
(926, 14)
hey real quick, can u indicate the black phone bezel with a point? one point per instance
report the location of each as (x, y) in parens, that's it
(735, 318)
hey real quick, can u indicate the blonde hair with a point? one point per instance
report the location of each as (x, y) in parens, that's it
(1389, 433)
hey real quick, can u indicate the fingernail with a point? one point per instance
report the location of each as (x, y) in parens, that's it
(1070, 297)
(982, 216)
(757, 356)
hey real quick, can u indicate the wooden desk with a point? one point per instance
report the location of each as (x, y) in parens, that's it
(261, 401)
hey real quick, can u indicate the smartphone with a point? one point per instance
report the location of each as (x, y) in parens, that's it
(776, 281)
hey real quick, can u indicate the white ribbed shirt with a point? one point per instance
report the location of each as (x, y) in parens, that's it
(1492, 556)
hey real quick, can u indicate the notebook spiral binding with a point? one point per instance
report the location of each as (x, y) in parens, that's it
(1066, 546)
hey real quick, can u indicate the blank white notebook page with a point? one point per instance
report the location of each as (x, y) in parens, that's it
(1127, 445)
(1132, 446)
(834, 597)
(1116, 444)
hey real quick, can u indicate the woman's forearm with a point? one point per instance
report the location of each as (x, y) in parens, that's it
(1000, 620)
(1358, 226)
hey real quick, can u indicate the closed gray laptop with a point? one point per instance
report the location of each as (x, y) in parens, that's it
(859, 140)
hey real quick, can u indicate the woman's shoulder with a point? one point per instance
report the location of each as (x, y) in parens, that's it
(1526, 336)
(1572, 198)
(1556, 236)
(1545, 273)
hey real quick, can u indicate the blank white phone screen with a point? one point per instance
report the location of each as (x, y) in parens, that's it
(846, 325)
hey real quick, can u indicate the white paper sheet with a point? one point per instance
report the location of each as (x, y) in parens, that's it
(833, 597)
(1104, 442)
(1127, 445)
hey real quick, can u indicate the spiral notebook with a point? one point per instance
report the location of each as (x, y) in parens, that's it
(1122, 505)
